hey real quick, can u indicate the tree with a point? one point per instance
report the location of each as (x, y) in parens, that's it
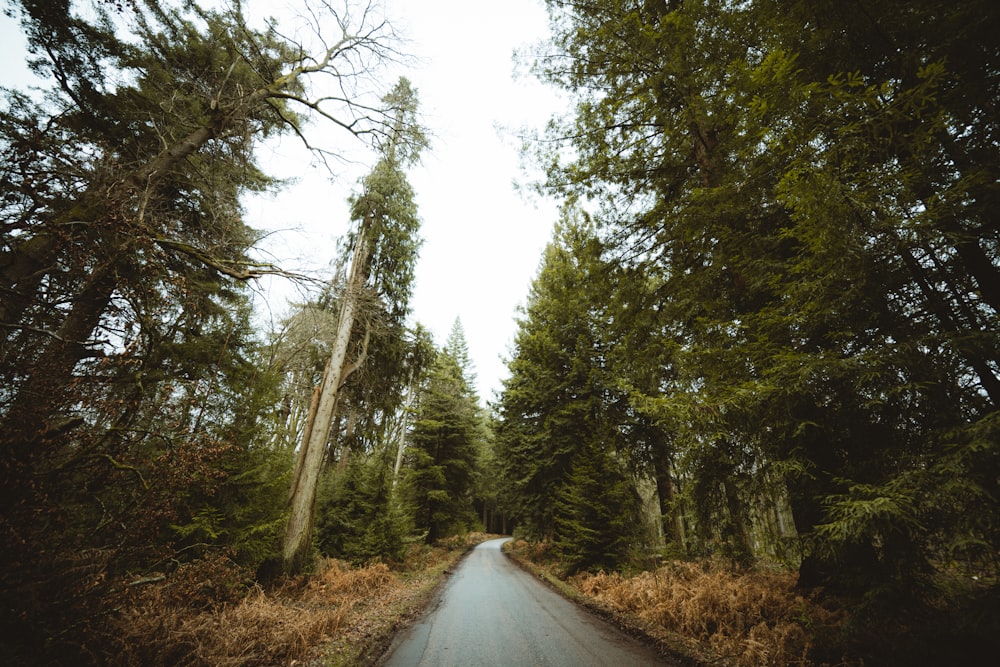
(361, 513)
(805, 185)
(381, 272)
(443, 453)
(561, 437)
(597, 521)
(458, 348)
(131, 401)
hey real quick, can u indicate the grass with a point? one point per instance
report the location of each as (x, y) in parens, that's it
(210, 613)
(708, 613)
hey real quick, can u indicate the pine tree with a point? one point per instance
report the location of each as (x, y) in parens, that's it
(560, 413)
(132, 401)
(805, 184)
(597, 521)
(443, 452)
(374, 302)
(457, 346)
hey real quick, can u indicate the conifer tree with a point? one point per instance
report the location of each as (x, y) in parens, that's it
(132, 406)
(374, 301)
(457, 346)
(560, 444)
(443, 453)
(806, 183)
(597, 521)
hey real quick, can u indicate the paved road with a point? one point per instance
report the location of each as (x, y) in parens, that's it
(493, 613)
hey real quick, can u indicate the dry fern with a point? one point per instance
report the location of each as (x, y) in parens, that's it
(750, 618)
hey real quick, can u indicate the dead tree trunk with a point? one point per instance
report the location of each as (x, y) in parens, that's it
(302, 502)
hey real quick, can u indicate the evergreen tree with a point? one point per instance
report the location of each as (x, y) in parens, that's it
(458, 348)
(443, 453)
(132, 400)
(806, 183)
(372, 308)
(597, 519)
(547, 402)
(560, 441)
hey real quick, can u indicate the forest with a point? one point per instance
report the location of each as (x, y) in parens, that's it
(763, 339)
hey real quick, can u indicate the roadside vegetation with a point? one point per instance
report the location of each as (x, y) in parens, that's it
(753, 397)
(211, 612)
(712, 611)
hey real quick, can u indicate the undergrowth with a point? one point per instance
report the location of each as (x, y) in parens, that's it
(210, 612)
(738, 618)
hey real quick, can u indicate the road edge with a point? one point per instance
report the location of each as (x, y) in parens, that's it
(381, 646)
(669, 645)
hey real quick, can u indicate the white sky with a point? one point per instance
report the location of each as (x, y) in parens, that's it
(482, 239)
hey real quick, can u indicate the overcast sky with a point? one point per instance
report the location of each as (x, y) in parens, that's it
(482, 239)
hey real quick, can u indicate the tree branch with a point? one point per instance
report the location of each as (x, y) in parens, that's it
(242, 270)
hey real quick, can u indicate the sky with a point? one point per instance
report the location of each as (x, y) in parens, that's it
(483, 238)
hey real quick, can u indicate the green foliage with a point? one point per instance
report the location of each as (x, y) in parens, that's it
(443, 452)
(778, 170)
(563, 438)
(135, 401)
(359, 515)
(597, 519)
(372, 306)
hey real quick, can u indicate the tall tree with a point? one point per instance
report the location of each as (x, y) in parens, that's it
(130, 397)
(560, 441)
(808, 183)
(444, 450)
(458, 347)
(378, 285)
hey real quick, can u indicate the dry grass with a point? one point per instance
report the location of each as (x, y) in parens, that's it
(205, 614)
(193, 618)
(750, 619)
(743, 619)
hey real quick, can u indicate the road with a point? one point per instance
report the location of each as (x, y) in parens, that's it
(493, 613)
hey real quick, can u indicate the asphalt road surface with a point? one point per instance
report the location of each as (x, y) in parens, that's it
(493, 613)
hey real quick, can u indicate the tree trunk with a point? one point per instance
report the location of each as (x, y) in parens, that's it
(298, 531)
(34, 424)
(44, 391)
(401, 445)
(306, 434)
(670, 516)
(737, 516)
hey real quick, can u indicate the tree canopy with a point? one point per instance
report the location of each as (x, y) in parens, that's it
(134, 414)
(785, 173)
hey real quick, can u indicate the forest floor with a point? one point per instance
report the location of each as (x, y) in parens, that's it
(706, 613)
(337, 616)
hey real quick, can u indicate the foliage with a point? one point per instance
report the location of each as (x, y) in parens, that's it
(596, 523)
(746, 618)
(179, 621)
(360, 517)
(565, 437)
(135, 399)
(371, 311)
(443, 452)
(803, 189)
(205, 613)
